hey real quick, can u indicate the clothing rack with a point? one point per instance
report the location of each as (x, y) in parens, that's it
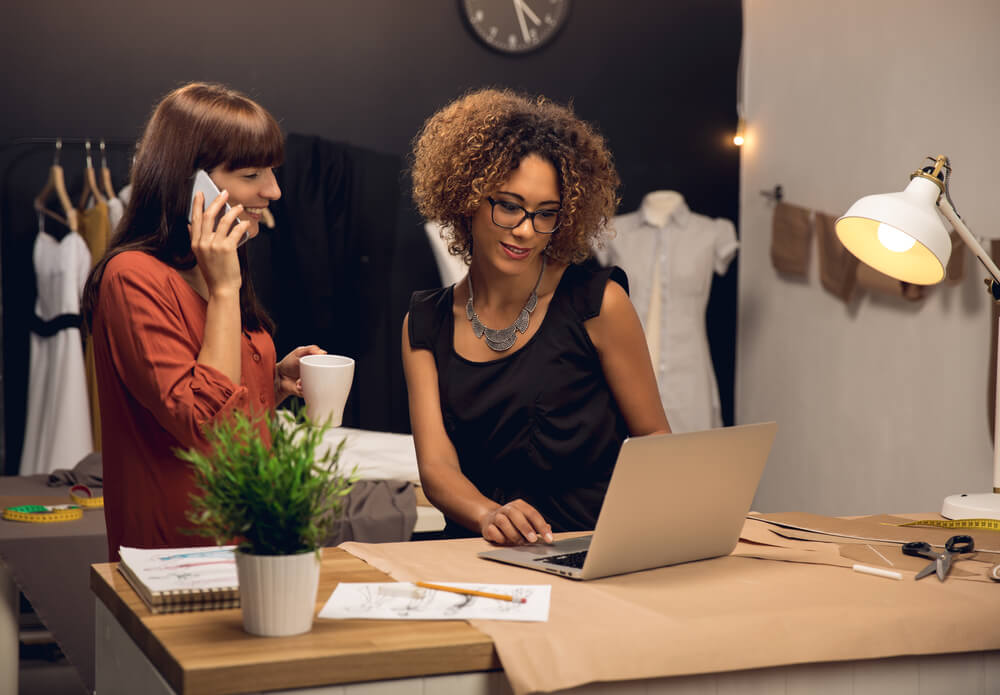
(37, 151)
(44, 140)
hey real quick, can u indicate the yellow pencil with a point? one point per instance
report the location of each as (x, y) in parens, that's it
(471, 592)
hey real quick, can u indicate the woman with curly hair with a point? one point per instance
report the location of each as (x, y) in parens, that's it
(525, 377)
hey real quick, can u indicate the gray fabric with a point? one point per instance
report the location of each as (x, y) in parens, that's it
(89, 471)
(50, 563)
(377, 511)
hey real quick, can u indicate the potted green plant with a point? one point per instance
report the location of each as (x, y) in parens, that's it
(278, 503)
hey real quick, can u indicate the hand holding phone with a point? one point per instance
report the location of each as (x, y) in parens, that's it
(208, 189)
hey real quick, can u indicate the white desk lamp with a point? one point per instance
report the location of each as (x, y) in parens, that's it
(901, 235)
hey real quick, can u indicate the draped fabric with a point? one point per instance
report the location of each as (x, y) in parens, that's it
(337, 269)
(95, 227)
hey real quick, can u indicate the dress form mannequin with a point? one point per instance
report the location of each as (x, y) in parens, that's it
(670, 254)
(658, 206)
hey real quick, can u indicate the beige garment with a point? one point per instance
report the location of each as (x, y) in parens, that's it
(652, 326)
(95, 227)
(955, 272)
(872, 280)
(837, 265)
(791, 234)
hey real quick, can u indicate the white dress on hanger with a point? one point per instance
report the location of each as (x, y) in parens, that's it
(116, 210)
(670, 254)
(57, 431)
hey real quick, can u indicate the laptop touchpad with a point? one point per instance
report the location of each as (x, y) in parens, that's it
(569, 545)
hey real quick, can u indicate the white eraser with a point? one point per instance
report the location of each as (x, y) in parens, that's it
(878, 572)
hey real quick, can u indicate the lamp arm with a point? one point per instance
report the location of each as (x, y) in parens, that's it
(977, 249)
(949, 212)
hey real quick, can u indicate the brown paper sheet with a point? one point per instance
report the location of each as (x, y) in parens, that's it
(955, 272)
(762, 540)
(837, 265)
(791, 235)
(718, 615)
(882, 527)
(872, 280)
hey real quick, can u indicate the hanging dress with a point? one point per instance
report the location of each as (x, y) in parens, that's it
(57, 429)
(95, 228)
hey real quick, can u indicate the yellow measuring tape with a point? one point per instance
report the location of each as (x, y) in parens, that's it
(85, 497)
(981, 524)
(43, 513)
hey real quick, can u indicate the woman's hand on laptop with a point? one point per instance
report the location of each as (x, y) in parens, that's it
(515, 523)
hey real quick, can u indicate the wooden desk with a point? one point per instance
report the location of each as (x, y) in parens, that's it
(208, 653)
(50, 564)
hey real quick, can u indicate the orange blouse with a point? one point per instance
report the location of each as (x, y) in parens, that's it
(148, 327)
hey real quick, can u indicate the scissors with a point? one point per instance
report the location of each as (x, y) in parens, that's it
(940, 562)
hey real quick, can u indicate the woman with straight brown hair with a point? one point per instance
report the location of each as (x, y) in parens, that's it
(179, 337)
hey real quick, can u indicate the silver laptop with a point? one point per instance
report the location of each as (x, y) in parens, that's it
(672, 498)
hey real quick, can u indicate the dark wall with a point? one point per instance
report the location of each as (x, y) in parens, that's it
(657, 77)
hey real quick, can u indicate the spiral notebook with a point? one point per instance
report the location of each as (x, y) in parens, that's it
(173, 580)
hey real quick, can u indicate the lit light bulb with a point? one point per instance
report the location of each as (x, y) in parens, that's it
(894, 239)
(738, 139)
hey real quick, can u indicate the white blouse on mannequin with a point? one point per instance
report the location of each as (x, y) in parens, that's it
(670, 254)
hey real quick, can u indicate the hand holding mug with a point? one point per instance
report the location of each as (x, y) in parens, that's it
(287, 380)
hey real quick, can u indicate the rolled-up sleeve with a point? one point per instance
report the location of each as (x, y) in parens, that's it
(154, 341)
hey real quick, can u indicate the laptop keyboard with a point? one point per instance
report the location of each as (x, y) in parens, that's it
(567, 560)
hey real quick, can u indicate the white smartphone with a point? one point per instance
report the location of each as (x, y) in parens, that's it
(203, 183)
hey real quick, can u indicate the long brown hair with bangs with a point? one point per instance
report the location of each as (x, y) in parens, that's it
(197, 126)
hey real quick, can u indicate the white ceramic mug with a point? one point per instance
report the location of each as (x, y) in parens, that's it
(326, 382)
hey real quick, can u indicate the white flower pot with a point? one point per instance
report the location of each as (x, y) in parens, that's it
(278, 592)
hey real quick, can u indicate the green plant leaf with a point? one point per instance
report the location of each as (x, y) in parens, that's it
(280, 499)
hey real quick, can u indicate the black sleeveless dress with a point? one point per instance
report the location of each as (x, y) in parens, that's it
(540, 424)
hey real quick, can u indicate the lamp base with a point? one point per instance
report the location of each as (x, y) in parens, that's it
(984, 505)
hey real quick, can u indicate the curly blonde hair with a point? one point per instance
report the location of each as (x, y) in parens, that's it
(468, 149)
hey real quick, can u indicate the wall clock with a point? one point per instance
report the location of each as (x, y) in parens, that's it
(515, 26)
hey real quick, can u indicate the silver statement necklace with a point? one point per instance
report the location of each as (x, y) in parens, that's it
(503, 339)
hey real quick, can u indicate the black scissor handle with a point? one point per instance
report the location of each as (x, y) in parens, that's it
(916, 549)
(959, 544)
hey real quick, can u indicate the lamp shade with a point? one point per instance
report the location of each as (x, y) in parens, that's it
(899, 234)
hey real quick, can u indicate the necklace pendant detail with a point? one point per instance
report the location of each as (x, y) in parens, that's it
(500, 340)
(503, 339)
(521, 325)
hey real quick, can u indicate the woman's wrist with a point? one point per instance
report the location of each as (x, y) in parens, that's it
(280, 394)
(224, 294)
(485, 515)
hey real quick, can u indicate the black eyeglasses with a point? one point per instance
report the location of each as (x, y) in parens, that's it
(510, 216)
